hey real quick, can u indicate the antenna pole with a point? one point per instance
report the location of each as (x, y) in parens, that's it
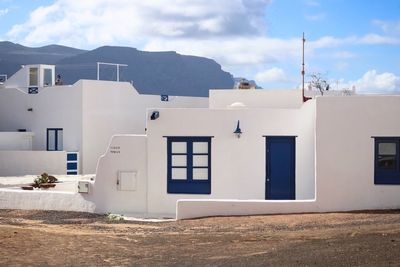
(302, 71)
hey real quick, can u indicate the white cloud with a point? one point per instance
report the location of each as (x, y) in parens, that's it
(232, 32)
(373, 82)
(272, 75)
(4, 11)
(312, 3)
(229, 31)
(343, 55)
(379, 39)
(122, 21)
(389, 27)
(315, 17)
(341, 66)
(233, 51)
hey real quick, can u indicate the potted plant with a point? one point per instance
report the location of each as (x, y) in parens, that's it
(44, 181)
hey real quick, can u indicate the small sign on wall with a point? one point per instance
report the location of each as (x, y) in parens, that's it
(115, 149)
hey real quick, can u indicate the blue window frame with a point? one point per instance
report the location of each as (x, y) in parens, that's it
(387, 160)
(189, 165)
(54, 139)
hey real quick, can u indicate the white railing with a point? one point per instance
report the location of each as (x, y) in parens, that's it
(109, 64)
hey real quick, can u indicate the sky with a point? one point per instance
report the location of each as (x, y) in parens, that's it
(349, 43)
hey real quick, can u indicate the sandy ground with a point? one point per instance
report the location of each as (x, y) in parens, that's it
(44, 238)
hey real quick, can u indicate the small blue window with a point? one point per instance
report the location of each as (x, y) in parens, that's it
(189, 165)
(387, 160)
(72, 156)
(33, 90)
(54, 139)
(72, 166)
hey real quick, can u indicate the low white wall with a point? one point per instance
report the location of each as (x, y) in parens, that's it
(44, 200)
(16, 140)
(125, 153)
(256, 98)
(196, 208)
(14, 163)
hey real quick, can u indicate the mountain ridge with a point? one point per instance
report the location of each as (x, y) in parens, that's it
(151, 72)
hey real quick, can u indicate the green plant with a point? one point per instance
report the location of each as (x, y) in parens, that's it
(44, 178)
(115, 217)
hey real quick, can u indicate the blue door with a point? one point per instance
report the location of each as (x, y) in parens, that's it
(280, 167)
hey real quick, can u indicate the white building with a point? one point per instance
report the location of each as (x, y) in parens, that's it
(332, 153)
(249, 152)
(77, 120)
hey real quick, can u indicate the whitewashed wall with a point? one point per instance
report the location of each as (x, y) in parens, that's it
(44, 200)
(238, 165)
(344, 162)
(20, 79)
(89, 112)
(16, 140)
(257, 98)
(14, 163)
(345, 151)
(117, 108)
(125, 153)
(54, 107)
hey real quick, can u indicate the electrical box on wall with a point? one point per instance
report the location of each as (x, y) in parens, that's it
(83, 187)
(126, 180)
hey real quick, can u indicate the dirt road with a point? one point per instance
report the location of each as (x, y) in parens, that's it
(39, 238)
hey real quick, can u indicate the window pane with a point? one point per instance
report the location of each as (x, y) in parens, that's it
(178, 174)
(179, 160)
(48, 77)
(200, 173)
(200, 160)
(387, 162)
(200, 147)
(60, 140)
(387, 148)
(51, 140)
(178, 147)
(33, 77)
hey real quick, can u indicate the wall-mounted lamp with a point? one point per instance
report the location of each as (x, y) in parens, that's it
(238, 131)
(154, 115)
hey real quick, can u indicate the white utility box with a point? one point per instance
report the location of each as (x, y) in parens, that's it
(126, 180)
(83, 187)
